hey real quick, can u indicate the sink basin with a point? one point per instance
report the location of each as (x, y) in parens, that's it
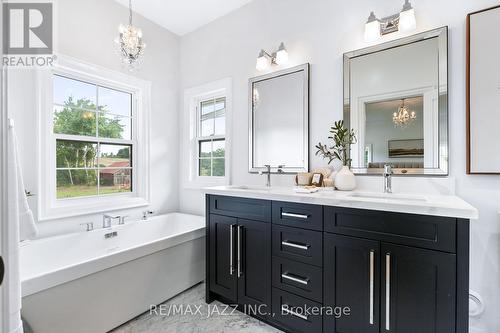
(248, 187)
(389, 196)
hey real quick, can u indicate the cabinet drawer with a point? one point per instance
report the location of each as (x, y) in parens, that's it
(298, 215)
(252, 209)
(290, 312)
(298, 244)
(298, 278)
(431, 232)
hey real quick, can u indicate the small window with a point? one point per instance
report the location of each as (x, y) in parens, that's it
(94, 141)
(211, 137)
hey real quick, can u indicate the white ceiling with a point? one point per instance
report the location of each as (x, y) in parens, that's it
(183, 16)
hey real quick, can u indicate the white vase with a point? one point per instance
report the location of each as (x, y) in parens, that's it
(345, 179)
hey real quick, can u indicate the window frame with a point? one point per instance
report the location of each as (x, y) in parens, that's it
(98, 140)
(211, 138)
(50, 207)
(190, 148)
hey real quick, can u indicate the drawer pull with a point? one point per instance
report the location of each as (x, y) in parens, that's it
(295, 279)
(285, 309)
(299, 216)
(295, 245)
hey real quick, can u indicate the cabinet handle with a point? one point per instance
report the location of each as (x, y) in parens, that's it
(372, 277)
(295, 245)
(295, 279)
(299, 216)
(231, 249)
(239, 251)
(387, 291)
(285, 309)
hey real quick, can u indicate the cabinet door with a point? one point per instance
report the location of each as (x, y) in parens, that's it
(222, 241)
(352, 279)
(254, 270)
(418, 290)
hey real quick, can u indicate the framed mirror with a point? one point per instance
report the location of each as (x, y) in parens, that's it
(396, 100)
(279, 121)
(483, 92)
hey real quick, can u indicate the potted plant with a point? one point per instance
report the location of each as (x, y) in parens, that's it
(342, 138)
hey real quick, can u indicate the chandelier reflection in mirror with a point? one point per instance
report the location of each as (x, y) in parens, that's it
(130, 45)
(404, 116)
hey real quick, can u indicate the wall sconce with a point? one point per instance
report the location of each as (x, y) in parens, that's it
(403, 21)
(265, 59)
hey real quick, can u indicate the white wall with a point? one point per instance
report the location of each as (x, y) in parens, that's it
(86, 30)
(319, 32)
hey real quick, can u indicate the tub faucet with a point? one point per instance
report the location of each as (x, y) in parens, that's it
(268, 174)
(146, 213)
(388, 178)
(89, 226)
(107, 219)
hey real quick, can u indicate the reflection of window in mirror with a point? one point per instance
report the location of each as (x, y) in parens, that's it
(394, 122)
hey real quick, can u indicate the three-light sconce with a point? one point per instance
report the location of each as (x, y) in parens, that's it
(402, 21)
(264, 60)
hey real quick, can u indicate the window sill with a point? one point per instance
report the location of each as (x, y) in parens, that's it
(89, 206)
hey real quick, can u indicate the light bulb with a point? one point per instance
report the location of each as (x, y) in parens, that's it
(121, 28)
(407, 20)
(262, 61)
(281, 55)
(372, 28)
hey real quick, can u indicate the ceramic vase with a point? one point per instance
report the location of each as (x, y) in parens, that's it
(345, 179)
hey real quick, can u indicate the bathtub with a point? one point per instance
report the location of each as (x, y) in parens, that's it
(85, 282)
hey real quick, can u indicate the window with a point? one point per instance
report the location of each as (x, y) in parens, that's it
(206, 133)
(211, 137)
(94, 141)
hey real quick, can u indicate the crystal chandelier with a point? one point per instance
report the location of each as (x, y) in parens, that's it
(129, 43)
(404, 116)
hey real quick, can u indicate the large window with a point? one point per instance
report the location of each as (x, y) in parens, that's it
(93, 140)
(211, 137)
(92, 127)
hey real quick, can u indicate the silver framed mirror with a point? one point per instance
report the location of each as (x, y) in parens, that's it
(396, 100)
(279, 121)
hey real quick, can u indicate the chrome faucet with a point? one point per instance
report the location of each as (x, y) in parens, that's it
(268, 173)
(388, 178)
(107, 219)
(89, 226)
(146, 213)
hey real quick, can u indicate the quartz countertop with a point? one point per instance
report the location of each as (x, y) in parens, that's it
(434, 205)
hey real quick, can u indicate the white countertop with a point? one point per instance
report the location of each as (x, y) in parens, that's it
(435, 205)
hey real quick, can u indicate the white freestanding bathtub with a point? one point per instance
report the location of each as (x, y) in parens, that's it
(84, 282)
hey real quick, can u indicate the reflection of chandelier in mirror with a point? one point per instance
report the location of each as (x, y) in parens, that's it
(129, 43)
(404, 116)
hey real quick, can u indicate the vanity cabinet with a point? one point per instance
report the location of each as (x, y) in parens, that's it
(240, 251)
(395, 272)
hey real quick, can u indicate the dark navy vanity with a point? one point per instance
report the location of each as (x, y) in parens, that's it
(395, 272)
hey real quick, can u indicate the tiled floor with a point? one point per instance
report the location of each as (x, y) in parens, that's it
(187, 323)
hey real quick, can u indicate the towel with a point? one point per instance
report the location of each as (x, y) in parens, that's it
(20, 226)
(27, 227)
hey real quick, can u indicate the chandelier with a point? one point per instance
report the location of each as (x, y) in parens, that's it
(129, 43)
(404, 116)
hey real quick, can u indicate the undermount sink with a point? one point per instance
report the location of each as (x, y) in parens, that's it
(389, 196)
(248, 187)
